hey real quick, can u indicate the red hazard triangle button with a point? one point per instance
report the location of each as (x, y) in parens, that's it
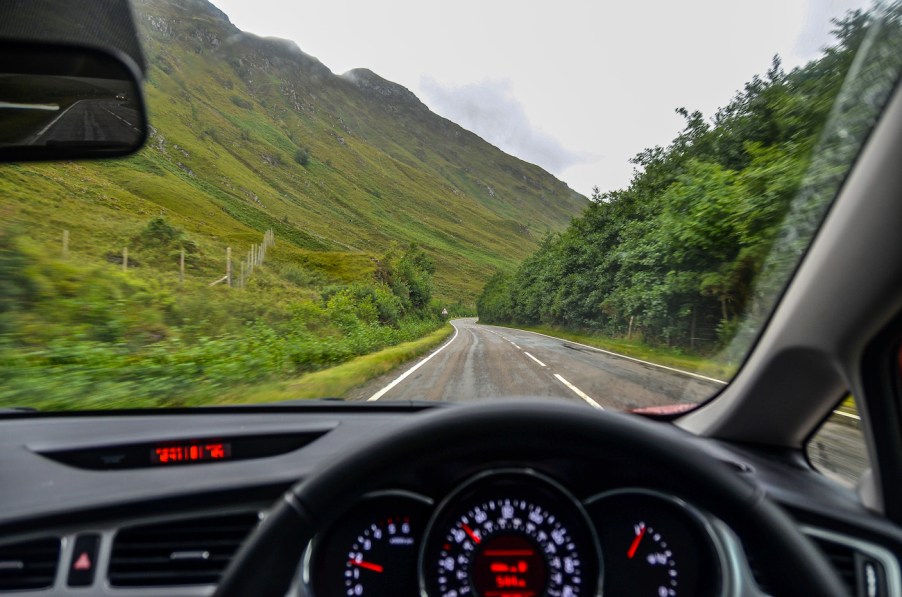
(83, 562)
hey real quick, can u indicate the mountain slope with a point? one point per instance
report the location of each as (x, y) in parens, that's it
(251, 133)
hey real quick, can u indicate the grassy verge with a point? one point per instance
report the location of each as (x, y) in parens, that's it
(337, 381)
(632, 348)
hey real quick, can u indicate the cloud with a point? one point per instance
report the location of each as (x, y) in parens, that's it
(489, 109)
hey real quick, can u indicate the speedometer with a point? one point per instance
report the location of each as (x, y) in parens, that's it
(511, 534)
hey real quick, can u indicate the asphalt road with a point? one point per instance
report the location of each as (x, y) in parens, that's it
(483, 362)
(486, 362)
(106, 120)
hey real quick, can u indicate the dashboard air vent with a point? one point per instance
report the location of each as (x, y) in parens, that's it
(191, 551)
(29, 564)
(842, 558)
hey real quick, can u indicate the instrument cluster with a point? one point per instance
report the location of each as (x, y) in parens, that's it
(516, 533)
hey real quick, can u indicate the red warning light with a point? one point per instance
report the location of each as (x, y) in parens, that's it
(83, 562)
(193, 452)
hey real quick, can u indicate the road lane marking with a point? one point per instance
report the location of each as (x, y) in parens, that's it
(850, 415)
(515, 345)
(623, 356)
(541, 364)
(54, 121)
(114, 115)
(404, 375)
(579, 392)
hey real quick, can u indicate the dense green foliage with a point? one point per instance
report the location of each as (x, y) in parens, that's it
(711, 226)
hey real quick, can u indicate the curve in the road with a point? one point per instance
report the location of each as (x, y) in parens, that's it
(404, 375)
(484, 362)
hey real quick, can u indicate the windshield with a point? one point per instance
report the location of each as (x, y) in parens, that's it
(474, 202)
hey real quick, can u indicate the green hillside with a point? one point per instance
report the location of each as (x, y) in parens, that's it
(251, 134)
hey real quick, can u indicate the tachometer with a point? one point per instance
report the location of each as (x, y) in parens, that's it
(511, 534)
(371, 551)
(378, 562)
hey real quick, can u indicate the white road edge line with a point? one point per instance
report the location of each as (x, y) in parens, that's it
(515, 346)
(623, 356)
(850, 415)
(404, 375)
(541, 364)
(54, 121)
(579, 392)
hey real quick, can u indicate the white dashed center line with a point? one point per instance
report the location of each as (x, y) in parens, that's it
(579, 392)
(588, 399)
(541, 364)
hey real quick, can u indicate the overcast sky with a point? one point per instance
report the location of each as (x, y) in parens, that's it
(575, 86)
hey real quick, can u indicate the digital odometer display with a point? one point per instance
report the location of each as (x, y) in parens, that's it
(185, 453)
(510, 535)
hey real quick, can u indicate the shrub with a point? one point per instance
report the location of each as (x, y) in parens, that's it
(241, 102)
(302, 156)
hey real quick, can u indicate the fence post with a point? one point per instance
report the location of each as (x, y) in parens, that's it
(229, 266)
(182, 268)
(629, 333)
(65, 244)
(125, 259)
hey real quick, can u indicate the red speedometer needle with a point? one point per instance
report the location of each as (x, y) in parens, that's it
(636, 541)
(472, 535)
(366, 565)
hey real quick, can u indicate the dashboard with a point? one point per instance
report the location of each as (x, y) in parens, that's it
(522, 523)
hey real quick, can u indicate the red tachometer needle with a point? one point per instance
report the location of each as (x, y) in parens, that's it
(366, 565)
(472, 535)
(636, 541)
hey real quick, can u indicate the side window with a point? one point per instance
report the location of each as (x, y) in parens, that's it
(838, 449)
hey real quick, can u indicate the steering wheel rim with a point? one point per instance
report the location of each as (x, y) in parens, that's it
(269, 559)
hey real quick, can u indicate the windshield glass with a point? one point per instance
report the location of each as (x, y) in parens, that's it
(448, 203)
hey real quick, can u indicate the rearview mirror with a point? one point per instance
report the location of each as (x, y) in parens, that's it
(68, 102)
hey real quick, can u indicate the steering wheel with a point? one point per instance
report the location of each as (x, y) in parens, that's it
(269, 559)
